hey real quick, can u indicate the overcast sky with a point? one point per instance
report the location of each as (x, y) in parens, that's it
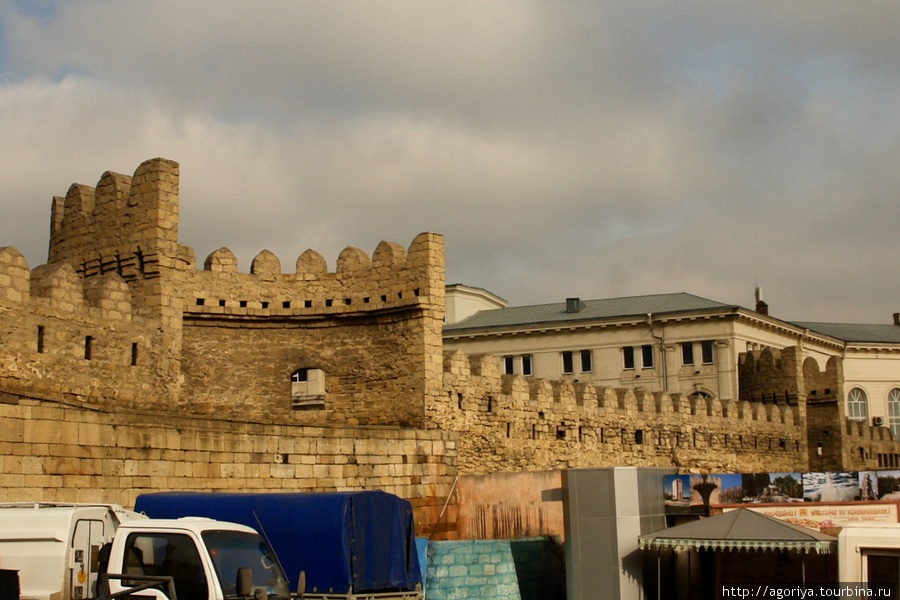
(595, 149)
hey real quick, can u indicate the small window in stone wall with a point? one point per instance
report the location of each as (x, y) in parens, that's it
(307, 389)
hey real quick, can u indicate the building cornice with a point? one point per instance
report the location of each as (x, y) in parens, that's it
(590, 324)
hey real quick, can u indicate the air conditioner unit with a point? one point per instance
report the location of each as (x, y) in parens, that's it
(877, 421)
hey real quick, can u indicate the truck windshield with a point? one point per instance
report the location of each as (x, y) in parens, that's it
(233, 550)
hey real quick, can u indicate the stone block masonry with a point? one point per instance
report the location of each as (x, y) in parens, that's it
(121, 317)
(56, 452)
(125, 369)
(835, 442)
(510, 423)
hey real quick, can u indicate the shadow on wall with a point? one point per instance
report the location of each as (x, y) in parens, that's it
(540, 568)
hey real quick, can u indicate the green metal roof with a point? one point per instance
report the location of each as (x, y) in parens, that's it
(854, 333)
(656, 304)
(610, 308)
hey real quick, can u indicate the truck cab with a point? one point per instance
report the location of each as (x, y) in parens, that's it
(203, 557)
(55, 547)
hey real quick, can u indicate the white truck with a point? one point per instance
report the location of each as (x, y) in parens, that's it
(76, 551)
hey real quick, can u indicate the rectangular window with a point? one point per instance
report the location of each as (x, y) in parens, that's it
(628, 357)
(586, 362)
(40, 339)
(647, 356)
(509, 365)
(175, 554)
(526, 365)
(88, 342)
(687, 353)
(568, 364)
(134, 354)
(706, 351)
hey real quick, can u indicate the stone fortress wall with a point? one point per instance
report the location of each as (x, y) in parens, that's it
(121, 315)
(59, 453)
(371, 328)
(511, 422)
(835, 443)
(124, 368)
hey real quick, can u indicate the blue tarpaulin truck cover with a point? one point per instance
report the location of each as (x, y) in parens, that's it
(339, 539)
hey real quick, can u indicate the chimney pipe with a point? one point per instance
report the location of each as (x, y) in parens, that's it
(761, 306)
(573, 305)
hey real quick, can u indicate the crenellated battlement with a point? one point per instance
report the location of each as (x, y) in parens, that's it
(388, 281)
(57, 289)
(122, 308)
(862, 431)
(63, 335)
(393, 278)
(126, 224)
(868, 446)
(483, 372)
(835, 442)
(509, 421)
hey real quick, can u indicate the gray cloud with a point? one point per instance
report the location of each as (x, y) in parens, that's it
(591, 149)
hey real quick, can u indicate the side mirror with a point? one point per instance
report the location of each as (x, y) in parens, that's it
(301, 583)
(244, 585)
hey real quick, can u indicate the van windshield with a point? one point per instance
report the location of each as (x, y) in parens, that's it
(233, 550)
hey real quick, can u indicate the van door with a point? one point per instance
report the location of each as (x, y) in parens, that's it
(83, 558)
